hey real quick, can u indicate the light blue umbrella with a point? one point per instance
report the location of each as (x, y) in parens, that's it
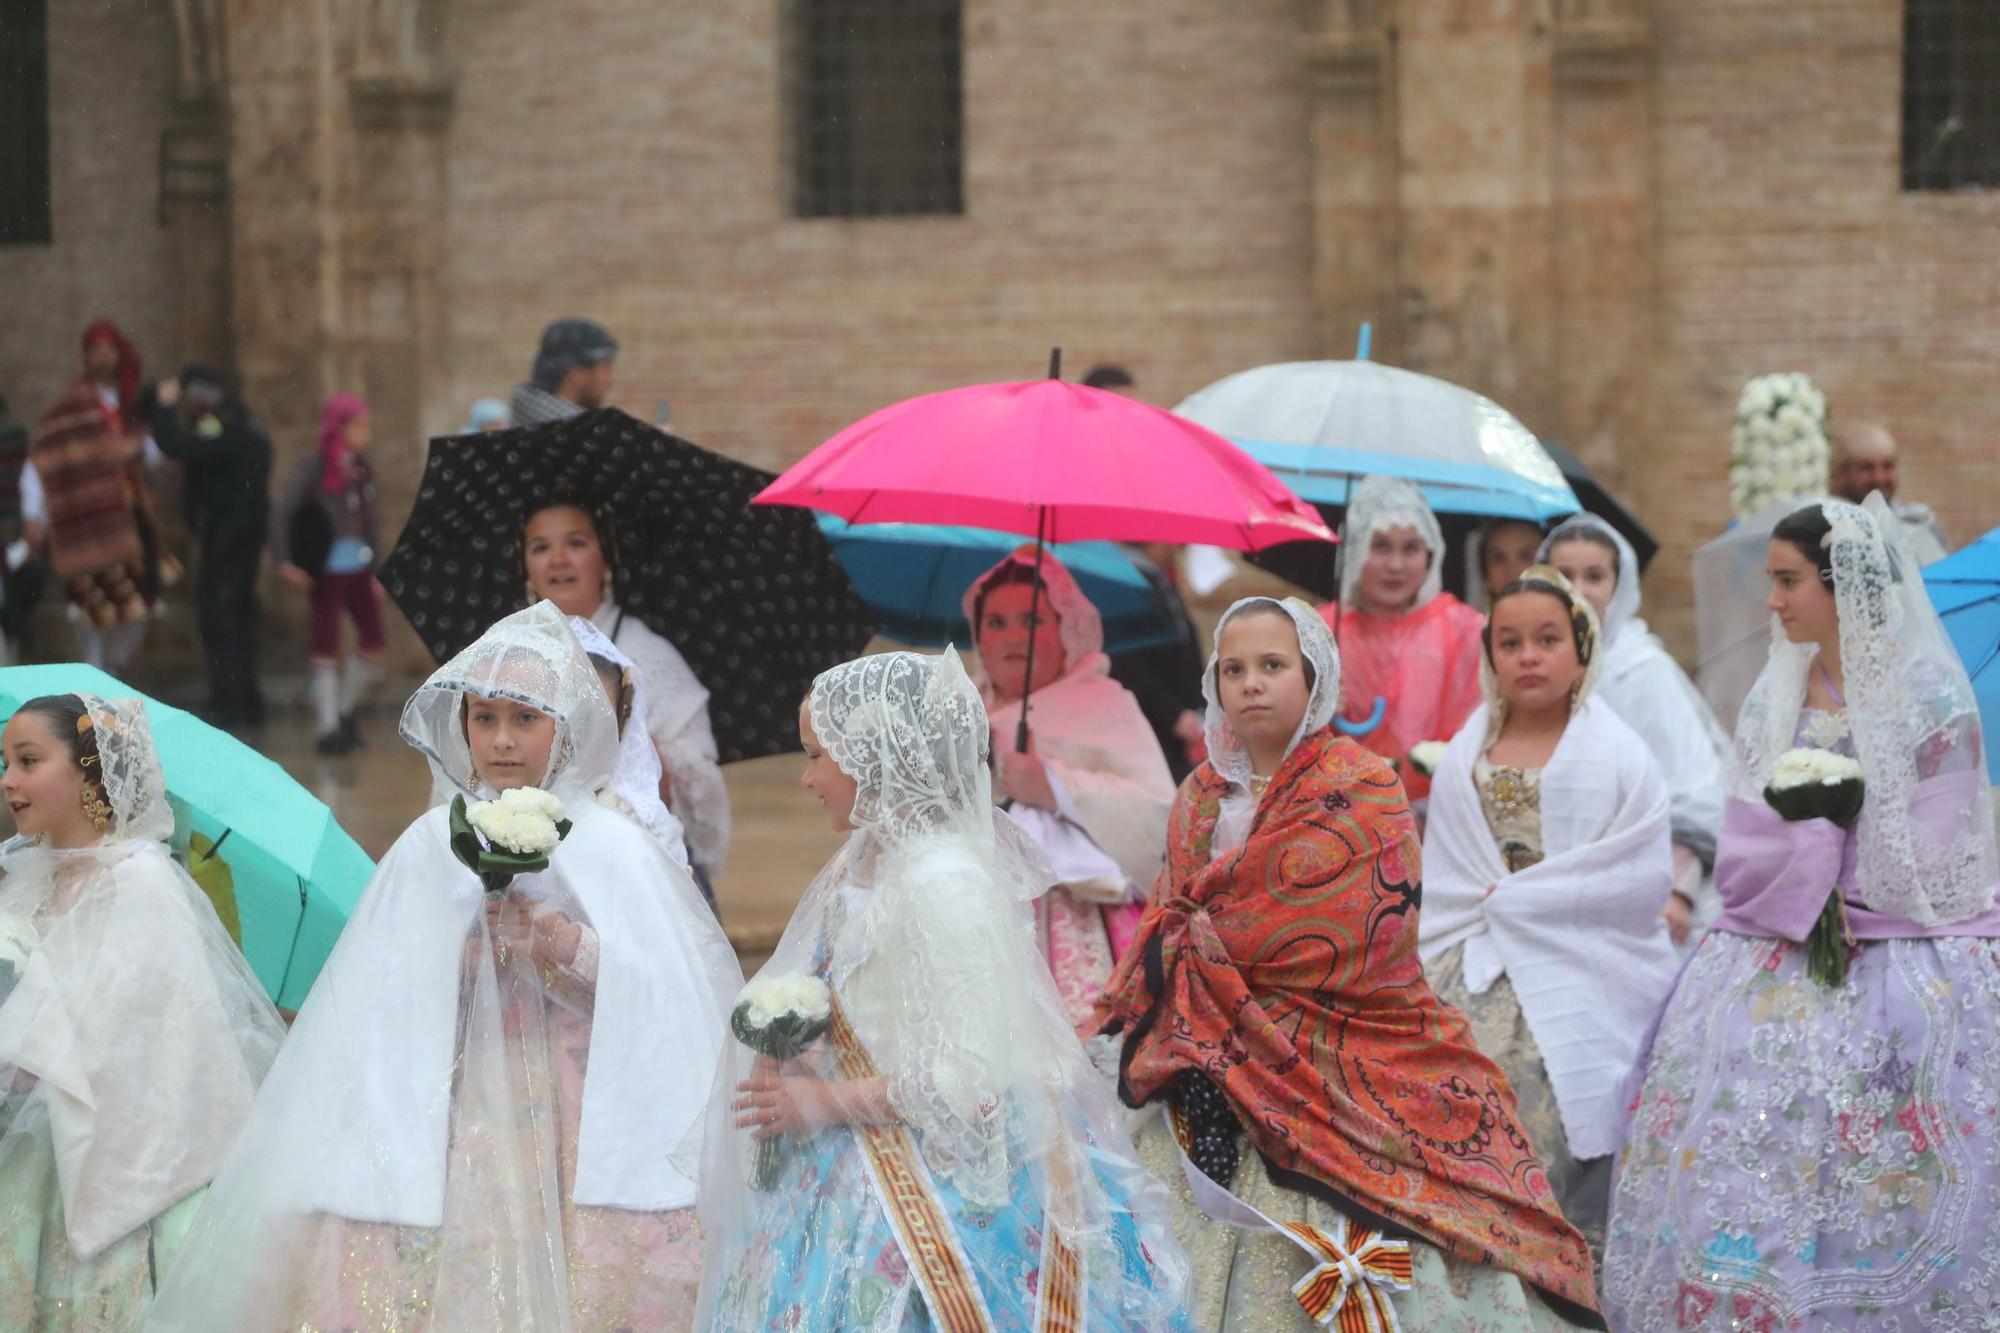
(913, 577)
(296, 872)
(1323, 425)
(1965, 589)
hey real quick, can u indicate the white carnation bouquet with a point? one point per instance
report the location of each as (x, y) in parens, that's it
(1819, 784)
(1778, 449)
(780, 1017)
(511, 835)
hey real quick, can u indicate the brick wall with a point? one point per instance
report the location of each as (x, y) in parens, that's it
(111, 72)
(1784, 242)
(1135, 190)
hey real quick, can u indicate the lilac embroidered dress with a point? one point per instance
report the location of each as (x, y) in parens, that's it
(1808, 1157)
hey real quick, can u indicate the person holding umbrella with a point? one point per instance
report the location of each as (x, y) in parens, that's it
(133, 1034)
(1092, 786)
(1411, 650)
(570, 555)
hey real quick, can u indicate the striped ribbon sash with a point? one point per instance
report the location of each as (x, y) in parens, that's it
(924, 1230)
(1354, 1272)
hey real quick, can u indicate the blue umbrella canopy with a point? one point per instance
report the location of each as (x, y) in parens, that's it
(261, 845)
(1965, 589)
(912, 578)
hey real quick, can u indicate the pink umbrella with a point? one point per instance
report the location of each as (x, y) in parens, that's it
(1054, 461)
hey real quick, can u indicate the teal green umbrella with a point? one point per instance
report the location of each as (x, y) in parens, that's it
(282, 873)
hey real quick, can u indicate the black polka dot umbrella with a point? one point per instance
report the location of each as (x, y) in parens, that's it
(752, 596)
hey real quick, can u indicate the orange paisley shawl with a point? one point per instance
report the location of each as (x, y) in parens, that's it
(1287, 971)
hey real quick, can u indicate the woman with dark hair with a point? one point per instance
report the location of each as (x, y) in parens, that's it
(1546, 865)
(1092, 788)
(1813, 1142)
(133, 1034)
(569, 555)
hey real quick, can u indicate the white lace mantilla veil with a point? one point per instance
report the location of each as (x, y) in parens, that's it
(1226, 751)
(635, 778)
(1380, 503)
(923, 925)
(133, 1033)
(406, 1091)
(1909, 701)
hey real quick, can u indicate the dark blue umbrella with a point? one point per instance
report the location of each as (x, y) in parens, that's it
(912, 578)
(1965, 589)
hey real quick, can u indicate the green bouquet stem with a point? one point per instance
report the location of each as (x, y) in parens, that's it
(1831, 939)
(784, 1038)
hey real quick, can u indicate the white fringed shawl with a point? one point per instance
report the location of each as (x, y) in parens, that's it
(1579, 934)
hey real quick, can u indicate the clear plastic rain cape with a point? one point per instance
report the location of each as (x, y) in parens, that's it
(964, 1158)
(477, 1119)
(133, 1036)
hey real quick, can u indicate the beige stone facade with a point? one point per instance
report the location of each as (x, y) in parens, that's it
(1605, 213)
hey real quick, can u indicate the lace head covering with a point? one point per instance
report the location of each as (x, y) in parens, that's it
(1077, 620)
(912, 733)
(1583, 624)
(1381, 503)
(1226, 751)
(134, 783)
(1913, 719)
(1622, 611)
(531, 657)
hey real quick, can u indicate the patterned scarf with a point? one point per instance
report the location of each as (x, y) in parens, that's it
(1286, 971)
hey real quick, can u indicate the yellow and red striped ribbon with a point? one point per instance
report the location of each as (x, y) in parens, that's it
(1349, 1289)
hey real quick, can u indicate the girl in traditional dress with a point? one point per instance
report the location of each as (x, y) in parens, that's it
(1092, 787)
(475, 1121)
(1410, 650)
(1821, 1153)
(1314, 1095)
(1654, 697)
(944, 1156)
(570, 556)
(133, 1034)
(1546, 866)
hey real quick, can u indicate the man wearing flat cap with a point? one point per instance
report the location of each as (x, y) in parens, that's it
(572, 373)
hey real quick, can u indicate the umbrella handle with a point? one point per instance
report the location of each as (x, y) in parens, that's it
(1347, 728)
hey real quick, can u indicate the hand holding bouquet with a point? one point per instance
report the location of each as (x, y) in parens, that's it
(1818, 784)
(779, 1017)
(513, 835)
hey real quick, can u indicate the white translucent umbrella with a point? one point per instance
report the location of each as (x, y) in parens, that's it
(1322, 425)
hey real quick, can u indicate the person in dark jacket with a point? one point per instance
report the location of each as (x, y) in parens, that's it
(225, 458)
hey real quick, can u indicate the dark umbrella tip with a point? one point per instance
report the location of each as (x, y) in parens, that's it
(1055, 363)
